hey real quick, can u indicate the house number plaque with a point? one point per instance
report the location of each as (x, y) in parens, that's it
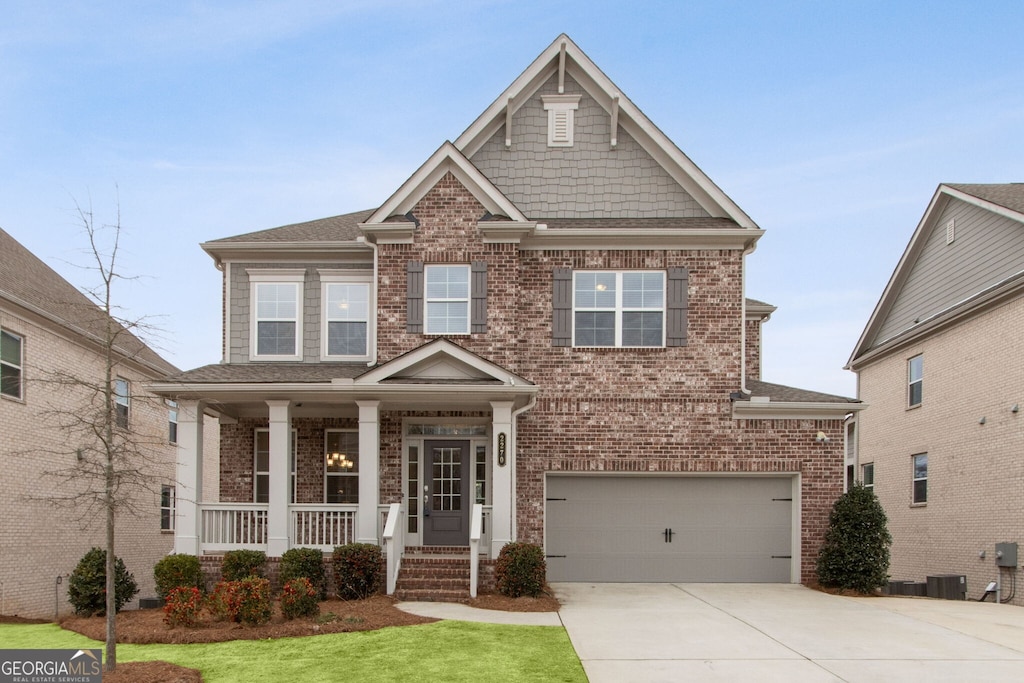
(501, 449)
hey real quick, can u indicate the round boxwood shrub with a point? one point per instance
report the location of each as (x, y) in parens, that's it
(358, 570)
(177, 571)
(87, 585)
(305, 563)
(520, 570)
(855, 554)
(241, 564)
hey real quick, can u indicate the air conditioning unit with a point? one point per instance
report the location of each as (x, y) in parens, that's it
(947, 586)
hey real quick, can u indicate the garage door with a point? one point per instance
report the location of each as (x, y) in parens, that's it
(669, 529)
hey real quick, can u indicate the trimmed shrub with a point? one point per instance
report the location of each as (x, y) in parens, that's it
(305, 563)
(177, 571)
(182, 606)
(855, 554)
(222, 603)
(358, 570)
(253, 599)
(299, 599)
(87, 589)
(520, 570)
(241, 564)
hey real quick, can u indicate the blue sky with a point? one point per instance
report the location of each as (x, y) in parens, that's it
(829, 123)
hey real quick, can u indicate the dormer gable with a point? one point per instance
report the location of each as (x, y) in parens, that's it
(441, 362)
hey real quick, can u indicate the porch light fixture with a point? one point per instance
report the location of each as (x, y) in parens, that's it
(339, 460)
(821, 437)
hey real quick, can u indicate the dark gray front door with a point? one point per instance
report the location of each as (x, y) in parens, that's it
(448, 494)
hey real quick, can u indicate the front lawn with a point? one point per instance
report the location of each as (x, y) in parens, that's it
(442, 651)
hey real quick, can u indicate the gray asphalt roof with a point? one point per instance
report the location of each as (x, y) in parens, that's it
(779, 392)
(1010, 195)
(254, 373)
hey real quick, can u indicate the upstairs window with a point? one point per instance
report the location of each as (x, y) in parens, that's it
(122, 402)
(172, 422)
(619, 309)
(11, 363)
(276, 314)
(447, 299)
(346, 315)
(915, 374)
(920, 495)
(166, 508)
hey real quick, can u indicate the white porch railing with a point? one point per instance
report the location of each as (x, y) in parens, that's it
(233, 526)
(322, 526)
(394, 543)
(476, 522)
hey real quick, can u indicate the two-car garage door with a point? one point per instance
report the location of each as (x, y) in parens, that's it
(610, 528)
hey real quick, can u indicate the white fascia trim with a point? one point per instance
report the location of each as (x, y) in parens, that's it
(633, 239)
(341, 391)
(249, 251)
(786, 410)
(446, 159)
(399, 232)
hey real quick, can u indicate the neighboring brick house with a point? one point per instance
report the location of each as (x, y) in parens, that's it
(940, 366)
(49, 328)
(547, 320)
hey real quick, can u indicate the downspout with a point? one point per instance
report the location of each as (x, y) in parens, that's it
(743, 318)
(515, 449)
(373, 346)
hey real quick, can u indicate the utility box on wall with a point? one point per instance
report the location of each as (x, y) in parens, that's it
(1006, 554)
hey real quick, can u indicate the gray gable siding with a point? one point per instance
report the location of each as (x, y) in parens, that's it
(587, 180)
(239, 292)
(988, 249)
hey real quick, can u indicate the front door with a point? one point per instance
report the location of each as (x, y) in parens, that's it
(448, 497)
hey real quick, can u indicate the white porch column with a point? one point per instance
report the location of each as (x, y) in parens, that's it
(369, 470)
(502, 467)
(280, 476)
(188, 491)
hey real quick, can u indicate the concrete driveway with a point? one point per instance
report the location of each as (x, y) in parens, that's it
(776, 632)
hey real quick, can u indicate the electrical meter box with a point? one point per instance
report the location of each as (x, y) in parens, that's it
(1006, 554)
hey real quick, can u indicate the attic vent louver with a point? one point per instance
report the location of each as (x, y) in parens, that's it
(561, 110)
(950, 231)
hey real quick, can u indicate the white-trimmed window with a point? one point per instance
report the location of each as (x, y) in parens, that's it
(347, 318)
(341, 466)
(619, 308)
(11, 364)
(915, 381)
(447, 296)
(167, 508)
(261, 467)
(868, 475)
(276, 314)
(920, 495)
(122, 402)
(172, 422)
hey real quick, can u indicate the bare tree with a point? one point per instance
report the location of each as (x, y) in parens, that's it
(111, 459)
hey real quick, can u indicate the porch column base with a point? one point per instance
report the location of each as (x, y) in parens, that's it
(186, 545)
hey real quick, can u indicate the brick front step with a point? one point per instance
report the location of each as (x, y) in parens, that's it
(433, 595)
(439, 573)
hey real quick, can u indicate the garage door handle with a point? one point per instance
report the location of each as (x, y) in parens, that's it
(782, 557)
(668, 535)
(555, 556)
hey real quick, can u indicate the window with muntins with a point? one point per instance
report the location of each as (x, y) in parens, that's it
(122, 402)
(166, 508)
(347, 316)
(261, 467)
(276, 313)
(920, 478)
(619, 309)
(11, 362)
(447, 298)
(341, 469)
(915, 378)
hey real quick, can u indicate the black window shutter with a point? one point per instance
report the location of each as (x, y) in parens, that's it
(676, 306)
(478, 305)
(414, 297)
(561, 307)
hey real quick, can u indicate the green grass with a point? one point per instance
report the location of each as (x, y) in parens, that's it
(441, 651)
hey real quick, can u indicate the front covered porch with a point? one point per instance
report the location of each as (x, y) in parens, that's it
(416, 452)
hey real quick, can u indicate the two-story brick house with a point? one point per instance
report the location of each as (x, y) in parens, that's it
(548, 320)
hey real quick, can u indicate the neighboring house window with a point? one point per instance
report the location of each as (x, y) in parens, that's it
(454, 298)
(261, 468)
(868, 475)
(915, 375)
(276, 314)
(166, 508)
(172, 422)
(122, 402)
(920, 478)
(11, 362)
(341, 466)
(619, 308)
(346, 315)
